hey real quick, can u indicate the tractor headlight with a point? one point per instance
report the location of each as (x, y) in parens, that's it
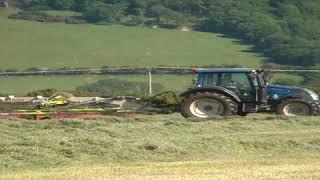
(313, 95)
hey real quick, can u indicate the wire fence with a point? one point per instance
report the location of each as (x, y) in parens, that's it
(112, 71)
(132, 70)
(170, 78)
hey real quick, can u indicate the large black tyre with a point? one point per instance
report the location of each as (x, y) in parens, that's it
(297, 107)
(207, 105)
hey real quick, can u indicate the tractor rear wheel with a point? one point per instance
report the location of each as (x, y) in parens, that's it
(296, 107)
(207, 105)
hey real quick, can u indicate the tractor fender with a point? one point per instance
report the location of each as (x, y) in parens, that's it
(217, 89)
(292, 95)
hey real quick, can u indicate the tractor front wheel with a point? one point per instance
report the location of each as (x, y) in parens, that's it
(294, 107)
(207, 105)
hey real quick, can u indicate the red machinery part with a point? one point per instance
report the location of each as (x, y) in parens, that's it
(42, 116)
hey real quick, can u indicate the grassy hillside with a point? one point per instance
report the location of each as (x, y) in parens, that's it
(55, 45)
(258, 146)
(285, 31)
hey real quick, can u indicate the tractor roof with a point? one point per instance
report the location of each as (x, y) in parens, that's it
(223, 70)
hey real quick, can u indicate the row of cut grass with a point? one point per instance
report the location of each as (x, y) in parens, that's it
(218, 169)
(32, 145)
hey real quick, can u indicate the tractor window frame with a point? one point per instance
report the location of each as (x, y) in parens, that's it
(248, 78)
(201, 78)
(252, 85)
(202, 82)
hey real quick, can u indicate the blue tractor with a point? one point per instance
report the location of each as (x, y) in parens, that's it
(239, 91)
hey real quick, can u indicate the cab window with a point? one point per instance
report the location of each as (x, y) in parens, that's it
(236, 82)
(240, 84)
(210, 79)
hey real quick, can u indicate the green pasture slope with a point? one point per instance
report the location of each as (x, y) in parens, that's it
(26, 44)
(161, 147)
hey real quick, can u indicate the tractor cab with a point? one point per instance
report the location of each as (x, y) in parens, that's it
(248, 84)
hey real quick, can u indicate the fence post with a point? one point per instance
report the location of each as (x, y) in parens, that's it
(150, 80)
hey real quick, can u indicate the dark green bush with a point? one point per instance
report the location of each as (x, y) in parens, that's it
(42, 92)
(11, 70)
(286, 81)
(43, 17)
(32, 69)
(114, 87)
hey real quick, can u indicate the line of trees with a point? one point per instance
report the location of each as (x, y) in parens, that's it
(287, 31)
(114, 10)
(115, 71)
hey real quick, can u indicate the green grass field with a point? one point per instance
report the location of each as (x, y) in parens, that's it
(29, 44)
(141, 147)
(161, 147)
(26, 44)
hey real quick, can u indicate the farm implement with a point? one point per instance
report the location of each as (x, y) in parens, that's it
(216, 92)
(65, 105)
